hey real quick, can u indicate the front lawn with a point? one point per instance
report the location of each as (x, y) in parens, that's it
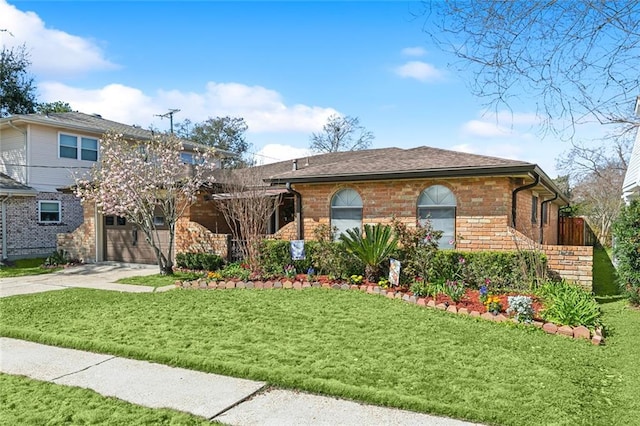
(158, 280)
(31, 402)
(22, 267)
(354, 345)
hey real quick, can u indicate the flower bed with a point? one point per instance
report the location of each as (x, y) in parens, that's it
(469, 304)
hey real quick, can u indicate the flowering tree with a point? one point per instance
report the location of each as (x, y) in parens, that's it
(144, 180)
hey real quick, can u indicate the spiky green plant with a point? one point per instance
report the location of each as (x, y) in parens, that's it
(372, 248)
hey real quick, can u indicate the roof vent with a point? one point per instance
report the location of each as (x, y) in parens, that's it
(96, 115)
(295, 165)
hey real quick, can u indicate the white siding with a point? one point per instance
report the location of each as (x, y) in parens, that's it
(12, 154)
(48, 170)
(631, 185)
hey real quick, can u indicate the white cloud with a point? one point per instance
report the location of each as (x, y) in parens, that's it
(263, 109)
(414, 51)
(52, 52)
(419, 70)
(484, 129)
(273, 152)
(464, 147)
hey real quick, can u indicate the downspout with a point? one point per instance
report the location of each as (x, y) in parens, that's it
(542, 218)
(298, 210)
(514, 198)
(4, 226)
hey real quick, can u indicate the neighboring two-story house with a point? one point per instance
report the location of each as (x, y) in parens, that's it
(40, 155)
(631, 184)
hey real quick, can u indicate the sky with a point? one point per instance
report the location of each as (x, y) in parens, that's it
(285, 67)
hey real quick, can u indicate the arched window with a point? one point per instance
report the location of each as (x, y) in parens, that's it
(346, 210)
(438, 204)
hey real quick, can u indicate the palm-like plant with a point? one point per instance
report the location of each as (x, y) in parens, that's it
(372, 248)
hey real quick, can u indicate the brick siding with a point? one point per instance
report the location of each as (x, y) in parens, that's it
(26, 236)
(483, 217)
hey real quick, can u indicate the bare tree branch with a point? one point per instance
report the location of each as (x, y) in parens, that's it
(341, 134)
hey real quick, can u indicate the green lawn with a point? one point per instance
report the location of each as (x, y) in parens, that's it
(158, 280)
(24, 267)
(355, 345)
(30, 402)
(604, 273)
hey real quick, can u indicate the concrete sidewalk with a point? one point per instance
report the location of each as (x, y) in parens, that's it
(226, 399)
(95, 275)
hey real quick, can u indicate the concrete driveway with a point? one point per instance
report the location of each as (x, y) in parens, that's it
(95, 275)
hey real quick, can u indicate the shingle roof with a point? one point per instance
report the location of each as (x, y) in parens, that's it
(9, 185)
(392, 162)
(94, 123)
(87, 122)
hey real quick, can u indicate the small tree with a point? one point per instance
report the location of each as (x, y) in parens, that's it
(143, 180)
(341, 134)
(226, 133)
(17, 90)
(626, 234)
(247, 207)
(52, 107)
(417, 248)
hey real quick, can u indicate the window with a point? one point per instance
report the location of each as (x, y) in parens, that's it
(534, 209)
(544, 212)
(78, 147)
(186, 157)
(438, 205)
(49, 211)
(346, 210)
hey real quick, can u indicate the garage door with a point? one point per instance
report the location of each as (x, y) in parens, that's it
(125, 243)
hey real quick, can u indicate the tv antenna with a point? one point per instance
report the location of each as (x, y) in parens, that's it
(169, 115)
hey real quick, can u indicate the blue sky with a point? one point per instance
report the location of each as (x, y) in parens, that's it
(283, 66)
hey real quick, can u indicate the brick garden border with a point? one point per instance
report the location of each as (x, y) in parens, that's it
(579, 332)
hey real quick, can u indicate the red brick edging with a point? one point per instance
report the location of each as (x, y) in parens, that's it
(579, 332)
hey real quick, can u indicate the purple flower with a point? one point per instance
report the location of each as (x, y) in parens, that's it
(461, 260)
(484, 290)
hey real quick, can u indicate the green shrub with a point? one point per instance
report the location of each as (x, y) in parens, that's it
(626, 234)
(505, 270)
(417, 247)
(331, 257)
(58, 257)
(568, 304)
(275, 256)
(235, 270)
(199, 261)
(422, 288)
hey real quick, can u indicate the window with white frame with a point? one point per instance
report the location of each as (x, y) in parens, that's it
(49, 211)
(346, 211)
(437, 204)
(78, 147)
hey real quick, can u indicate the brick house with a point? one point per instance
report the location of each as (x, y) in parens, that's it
(479, 202)
(39, 157)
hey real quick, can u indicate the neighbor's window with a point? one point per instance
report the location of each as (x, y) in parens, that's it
(544, 212)
(49, 211)
(534, 209)
(346, 210)
(78, 147)
(438, 205)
